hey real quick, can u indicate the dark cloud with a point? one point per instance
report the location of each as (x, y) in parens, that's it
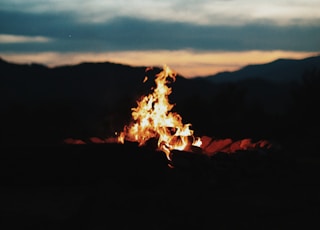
(68, 34)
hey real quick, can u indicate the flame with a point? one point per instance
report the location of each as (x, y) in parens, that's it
(152, 118)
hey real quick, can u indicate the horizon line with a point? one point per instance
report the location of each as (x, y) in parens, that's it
(22, 59)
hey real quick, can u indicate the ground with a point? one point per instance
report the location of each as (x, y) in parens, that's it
(89, 189)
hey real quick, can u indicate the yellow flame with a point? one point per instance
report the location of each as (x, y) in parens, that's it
(152, 118)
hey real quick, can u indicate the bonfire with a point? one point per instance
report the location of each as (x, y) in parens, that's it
(153, 119)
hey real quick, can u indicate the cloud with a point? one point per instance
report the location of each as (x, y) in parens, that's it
(67, 34)
(188, 34)
(8, 38)
(205, 12)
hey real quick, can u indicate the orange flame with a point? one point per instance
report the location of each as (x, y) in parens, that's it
(152, 118)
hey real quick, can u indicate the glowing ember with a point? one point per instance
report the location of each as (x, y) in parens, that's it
(152, 118)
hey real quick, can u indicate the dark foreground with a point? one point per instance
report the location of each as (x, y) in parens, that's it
(126, 187)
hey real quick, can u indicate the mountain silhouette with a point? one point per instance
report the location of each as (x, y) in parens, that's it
(42, 104)
(278, 71)
(269, 84)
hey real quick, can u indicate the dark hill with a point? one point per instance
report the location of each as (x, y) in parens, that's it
(278, 71)
(269, 84)
(47, 105)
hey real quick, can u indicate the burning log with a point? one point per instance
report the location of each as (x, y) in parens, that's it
(74, 141)
(212, 146)
(215, 146)
(97, 140)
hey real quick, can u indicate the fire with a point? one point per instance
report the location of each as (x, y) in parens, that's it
(153, 119)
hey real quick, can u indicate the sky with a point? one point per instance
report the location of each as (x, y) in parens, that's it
(192, 37)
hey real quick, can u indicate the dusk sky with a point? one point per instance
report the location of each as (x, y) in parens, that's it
(195, 38)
